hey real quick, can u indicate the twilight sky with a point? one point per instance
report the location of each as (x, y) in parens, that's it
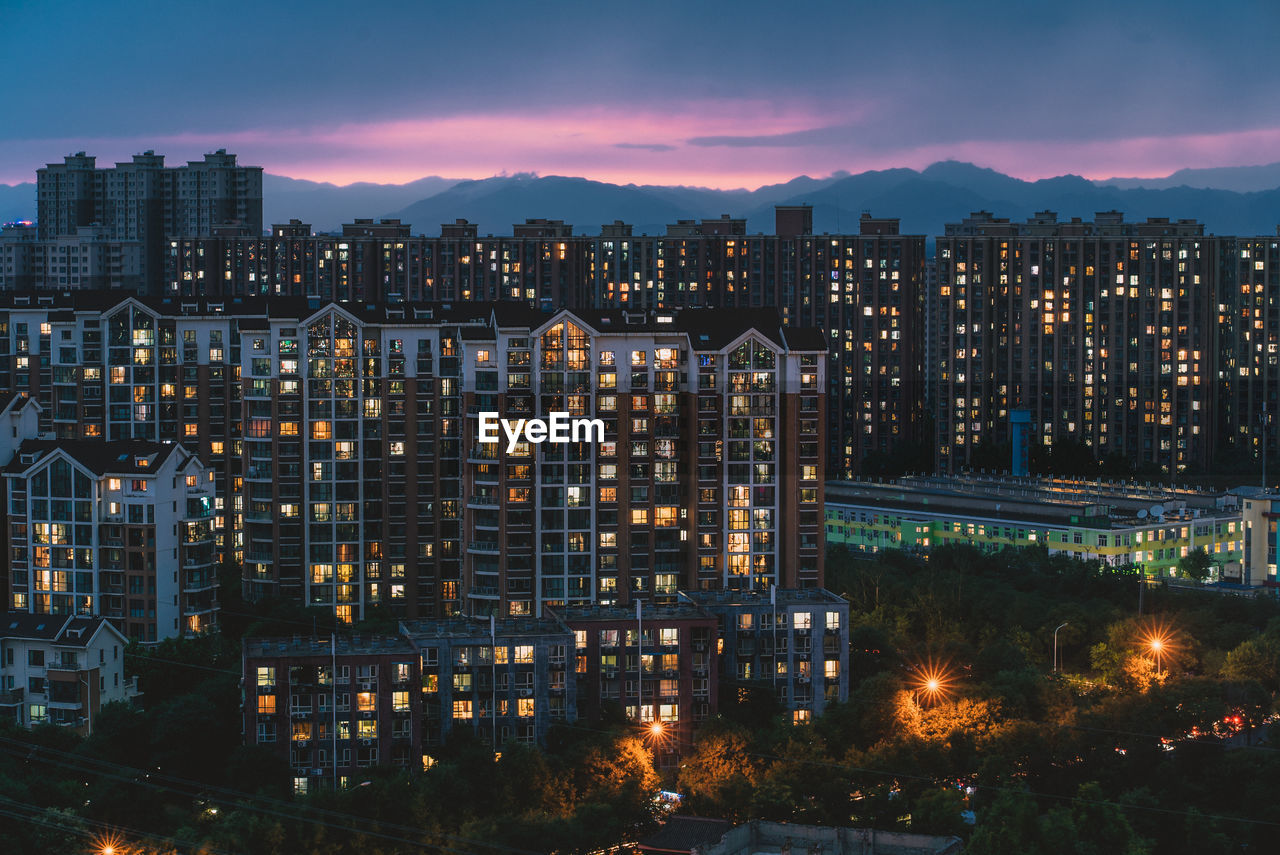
(717, 94)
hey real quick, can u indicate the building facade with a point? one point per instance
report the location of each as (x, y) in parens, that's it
(1106, 331)
(344, 441)
(60, 669)
(507, 681)
(134, 207)
(118, 367)
(367, 483)
(120, 530)
(793, 643)
(865, 291)
(1119, 524)
(1260, 511)
(333, 706)
(655, 664)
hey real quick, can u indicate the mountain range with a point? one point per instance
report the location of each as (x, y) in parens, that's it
(1235, 200)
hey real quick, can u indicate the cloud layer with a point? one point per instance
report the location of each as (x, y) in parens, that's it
(683, 93)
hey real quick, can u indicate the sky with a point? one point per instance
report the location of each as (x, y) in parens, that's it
(716, 94)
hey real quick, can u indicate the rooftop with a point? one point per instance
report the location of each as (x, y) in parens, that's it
(347, 645)
(478, 628)
(649, 611)
(62, 630)
(114, 457)
(783, 597)
(1051, 501)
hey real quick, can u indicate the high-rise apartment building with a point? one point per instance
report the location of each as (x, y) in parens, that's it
(864, 291)
(1248, 373)
(120, 530)
(367, 483)
(131, 208)
(1106, 331)
(116, 367)
(344, 441)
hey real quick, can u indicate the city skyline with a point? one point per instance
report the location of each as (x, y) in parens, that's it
(694, 97)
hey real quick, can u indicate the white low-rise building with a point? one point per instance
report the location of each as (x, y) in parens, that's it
(60, 669)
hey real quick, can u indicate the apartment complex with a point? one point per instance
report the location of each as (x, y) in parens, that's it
(1151, 528)
(60, 669)
(793, 643)
(118, 367)
(335, 705)
(655, 664)
(864, 291)
(366, 481)
(1106, 331)
(86, 258)
(120, 530)
(139, 204)
(325, 424)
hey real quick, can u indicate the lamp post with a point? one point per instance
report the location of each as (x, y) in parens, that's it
(1055, 646)
(1157, 650)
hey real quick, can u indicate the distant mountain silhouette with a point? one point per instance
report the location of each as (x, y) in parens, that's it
(327, 206)
(1241, 179)
(924, 200)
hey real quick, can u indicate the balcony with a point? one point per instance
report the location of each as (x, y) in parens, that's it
(487, 546)
(11, 698)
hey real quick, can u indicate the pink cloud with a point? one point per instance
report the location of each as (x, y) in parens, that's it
(647, 146)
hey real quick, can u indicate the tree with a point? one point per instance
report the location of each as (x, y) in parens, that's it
(1254, 659)
(719, 777)
(1195, 565)
(938, 811)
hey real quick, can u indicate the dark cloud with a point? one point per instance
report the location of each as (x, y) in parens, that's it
(831, 135)
(885, 78)
(645, 146)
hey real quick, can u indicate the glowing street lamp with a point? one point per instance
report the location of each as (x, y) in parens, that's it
(108, 845)
(934, 683)
(1157, 645)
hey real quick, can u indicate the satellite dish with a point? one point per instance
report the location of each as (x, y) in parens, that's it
(1157, 510)
(1142, 514)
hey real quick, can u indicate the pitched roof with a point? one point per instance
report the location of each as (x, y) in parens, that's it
(32, 626)
(115, 457)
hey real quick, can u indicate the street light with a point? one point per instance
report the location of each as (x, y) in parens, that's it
(1157, 649)
(111, 844)
(1055, 646)
(935, 682)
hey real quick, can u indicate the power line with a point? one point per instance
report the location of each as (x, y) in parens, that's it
(85, 765)
(104, 828)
